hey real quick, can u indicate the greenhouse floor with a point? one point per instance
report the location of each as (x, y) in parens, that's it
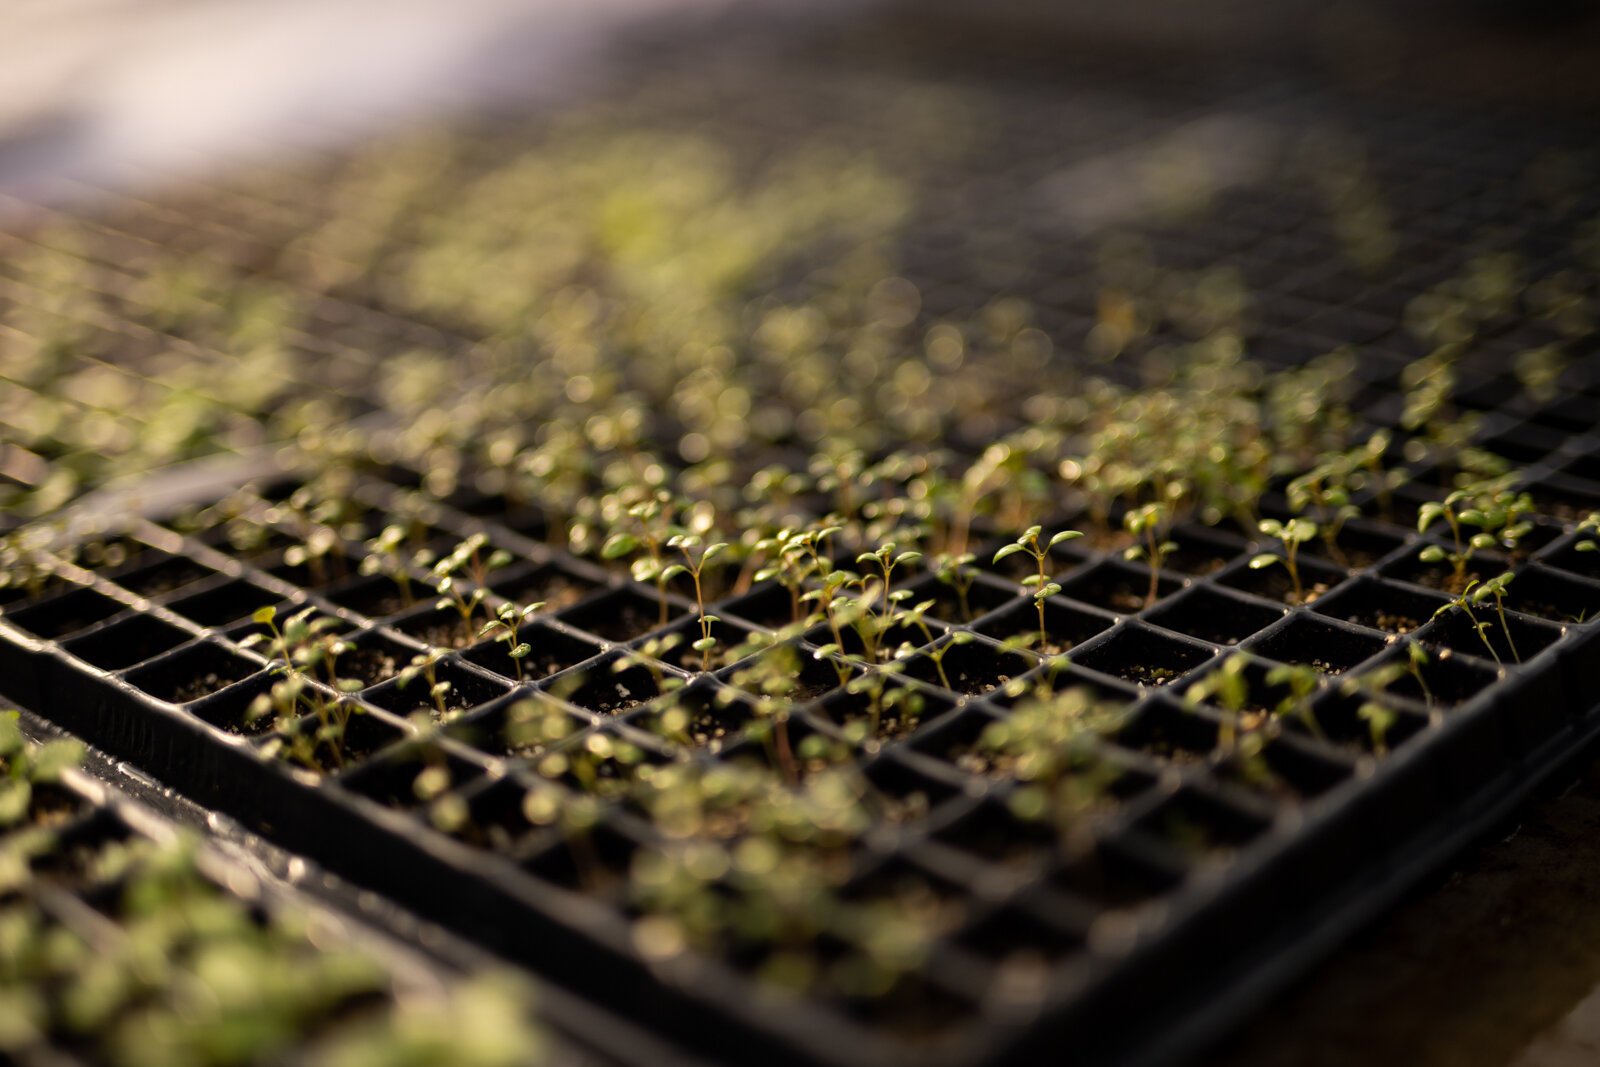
(1497, 964)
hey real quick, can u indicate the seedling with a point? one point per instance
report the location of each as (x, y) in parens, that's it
(957, 572)
(1291, 535)
(1589, 525)
(24, 766)
(1326, 488)
(885, 698)
(1039, 584)
(696, 554)
(386, 555)
(467, 559)
(796, 559)
(1495, 589)
(303, 644)
(1149, 525)
(425, 666)
(645, 526)
(447, 811)
(506, 627)
(1463, 602)
(1491, 508)
(1049, 744)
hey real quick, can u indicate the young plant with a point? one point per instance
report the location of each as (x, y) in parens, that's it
(1326, 488)
(1458, 510)
(506, 627)
(1291, 535)
(1463, 602)
(958, 573)
(696, 554)
(426, 667)
(1371, 687)
(386, 555)
(1148, 525)
(642, 530)
(795, 559)
(1050, 745)
(467, 560)
(303, 643)
(1495, 589)
(1039, 584)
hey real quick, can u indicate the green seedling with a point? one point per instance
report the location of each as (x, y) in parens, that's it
(1038, 584)
(425, 666)
(506, 627)
(1148, 525)
(696, 554)
(1291, 535)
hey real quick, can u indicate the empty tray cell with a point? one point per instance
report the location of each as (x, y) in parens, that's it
(902, 794)
(1380, 605)
(1443, 681)
(879, 714)
(554, 587)
(1357, 545)
(1200, 825)
(1169, 731)
(392, 779)
(122, 644)
(1512, 640)
(972, 668)
(164, 576)
(1563, 498)
(1065, 626)
(962, 601)
(66, 613)
(1274, 582)
(550, 651)
(1119, 588)
(1111, 878)
(620, 616)
(1311, 642)
(378, 597)
(607, 687)
(992, 835)
(372, 659)
(467, 690)
(1143, 657)
(227, 603)
(192, 673)
(1214, 616)
(1551, 595)
(676, 646)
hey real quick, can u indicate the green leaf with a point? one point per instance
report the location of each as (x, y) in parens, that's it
(618, 545)
(705, 644)
(1065, 535)
(1431, 554)
(264, 615)
(1008, 550)
(1265, 559)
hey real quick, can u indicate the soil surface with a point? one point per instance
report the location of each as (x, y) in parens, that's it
(1495, 965)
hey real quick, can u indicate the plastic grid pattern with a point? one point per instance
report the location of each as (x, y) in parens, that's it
(1150, 887)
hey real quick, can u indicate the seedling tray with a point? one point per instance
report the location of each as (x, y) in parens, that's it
(1192, 875)
(1185, 900)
